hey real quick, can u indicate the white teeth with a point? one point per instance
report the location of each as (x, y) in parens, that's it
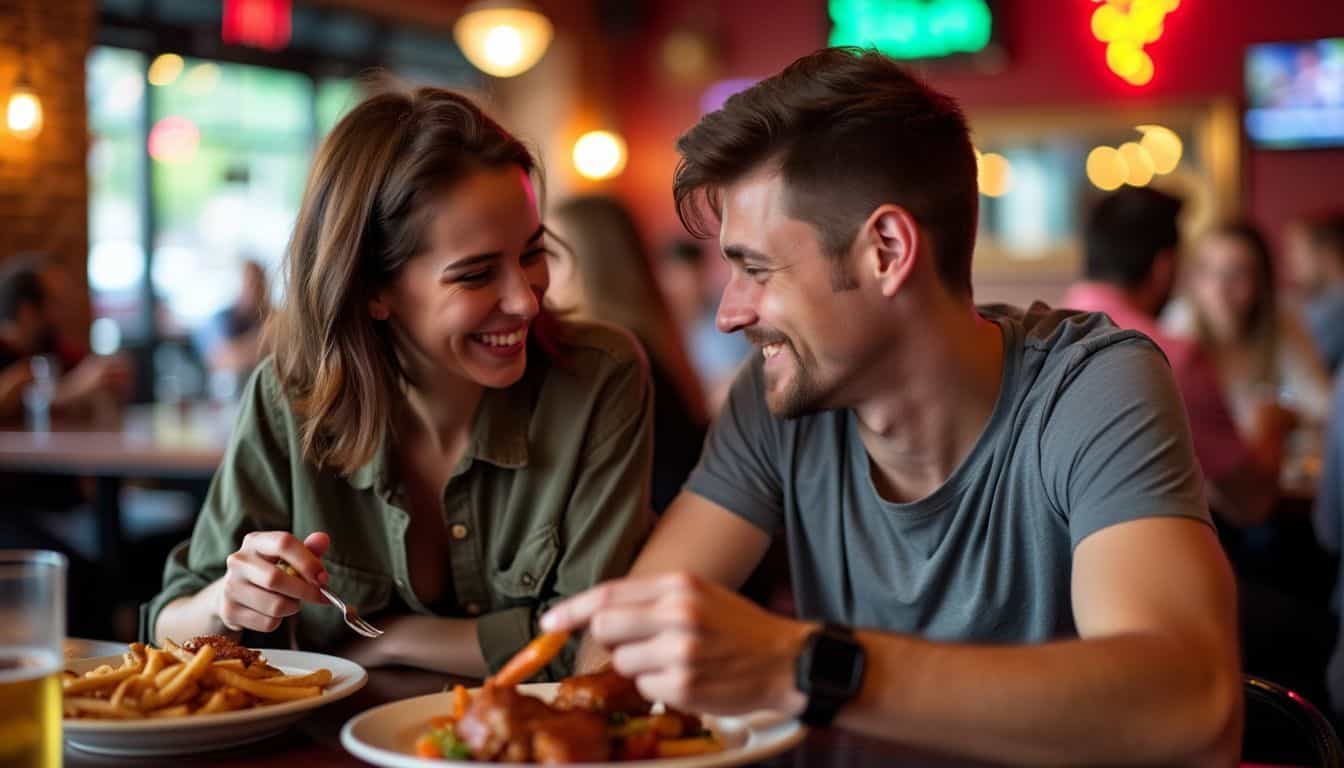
(501, 339)
(770, 350)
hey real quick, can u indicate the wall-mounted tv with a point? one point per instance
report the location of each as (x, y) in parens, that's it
(1295, 94)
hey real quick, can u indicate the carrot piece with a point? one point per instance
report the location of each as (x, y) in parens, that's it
(444, 721)
(461, 700)
(697, 745)
(427, 746)
(531, 659)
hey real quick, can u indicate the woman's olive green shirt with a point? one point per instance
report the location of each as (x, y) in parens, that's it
(551, 497)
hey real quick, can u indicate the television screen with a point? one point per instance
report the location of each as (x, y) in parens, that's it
(1295, 94)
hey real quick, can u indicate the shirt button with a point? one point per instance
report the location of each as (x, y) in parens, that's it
(400, 584)
(459, 531)
(474, 609)
(527, 579)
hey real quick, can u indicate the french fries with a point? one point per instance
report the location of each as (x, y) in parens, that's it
(173, 682)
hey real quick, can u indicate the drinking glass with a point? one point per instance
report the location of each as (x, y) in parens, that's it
(32, 633)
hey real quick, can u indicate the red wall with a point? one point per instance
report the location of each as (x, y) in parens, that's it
(1052, 60)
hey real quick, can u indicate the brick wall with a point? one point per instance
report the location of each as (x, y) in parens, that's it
(44, 182)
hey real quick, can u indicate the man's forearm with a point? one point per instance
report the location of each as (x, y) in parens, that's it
(1135, 698)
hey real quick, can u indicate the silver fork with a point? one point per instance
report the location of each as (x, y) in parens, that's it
(352, 618)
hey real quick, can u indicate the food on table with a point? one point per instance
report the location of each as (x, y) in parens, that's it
(594, 718)
(205, 675)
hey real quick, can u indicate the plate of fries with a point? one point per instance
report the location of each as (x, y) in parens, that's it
(158, 701)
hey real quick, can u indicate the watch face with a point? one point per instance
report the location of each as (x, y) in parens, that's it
(834, 668)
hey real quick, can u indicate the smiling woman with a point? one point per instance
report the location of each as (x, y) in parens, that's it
(426, 441)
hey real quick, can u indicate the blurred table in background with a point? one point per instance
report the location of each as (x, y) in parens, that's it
(184, 441)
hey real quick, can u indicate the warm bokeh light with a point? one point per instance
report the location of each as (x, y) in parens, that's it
(1142, 74)
(201, 79)
(1123, 58)
(1138, 165)
(503, 39)
(23, 115)
(174, 139)
(599, 155)
(994, 174)
(1126, 26)
(1106, 23)
(1106, 168)
(165, 69)
(1163, 146)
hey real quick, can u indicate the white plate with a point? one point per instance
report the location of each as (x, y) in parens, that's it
(386, 735)
(200, 733)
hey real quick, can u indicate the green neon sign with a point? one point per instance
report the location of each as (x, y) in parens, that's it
(912, 29)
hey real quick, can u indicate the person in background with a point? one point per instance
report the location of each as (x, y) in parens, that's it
(425, 440)
(1002, 546)
(602, 272)
(30, 346)
(717, 356)
(1131, 244)
(1130, 261)
(1231, 309)
(1328, 522)
(1315, 264)
(230, 342)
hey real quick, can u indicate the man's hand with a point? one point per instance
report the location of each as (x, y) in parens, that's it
(691, 643)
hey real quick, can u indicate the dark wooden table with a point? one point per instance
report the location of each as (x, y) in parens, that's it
(155, 442)
(315, 741)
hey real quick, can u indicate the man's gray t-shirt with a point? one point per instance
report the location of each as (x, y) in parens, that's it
(1088, 431)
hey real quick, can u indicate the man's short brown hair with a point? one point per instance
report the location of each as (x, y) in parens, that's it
(850, 130)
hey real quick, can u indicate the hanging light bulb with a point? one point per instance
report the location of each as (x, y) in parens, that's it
(503, 38)
(599, 155)
(23, 114)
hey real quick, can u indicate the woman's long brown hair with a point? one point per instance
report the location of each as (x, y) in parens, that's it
(363, 216)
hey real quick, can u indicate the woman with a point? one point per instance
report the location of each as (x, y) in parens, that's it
(1231, 308)
(601, 271)
(424, 441)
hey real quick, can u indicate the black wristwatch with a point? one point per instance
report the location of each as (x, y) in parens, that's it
(830, 671)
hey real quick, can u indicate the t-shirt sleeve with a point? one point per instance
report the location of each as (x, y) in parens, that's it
(1116, 445)
(739, 469)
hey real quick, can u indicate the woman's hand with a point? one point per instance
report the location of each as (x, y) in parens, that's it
(256, 594)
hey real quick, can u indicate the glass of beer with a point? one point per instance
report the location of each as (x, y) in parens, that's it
(32, 633)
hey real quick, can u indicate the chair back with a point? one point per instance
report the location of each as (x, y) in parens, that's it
(1283, 728)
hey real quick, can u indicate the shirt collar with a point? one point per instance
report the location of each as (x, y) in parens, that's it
(499, 436)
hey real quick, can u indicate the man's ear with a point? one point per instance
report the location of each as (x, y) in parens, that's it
(892, 238)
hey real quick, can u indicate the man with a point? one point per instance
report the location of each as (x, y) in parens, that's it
(998, 536)
(27, 331)
(230, 341)
(1131, 244)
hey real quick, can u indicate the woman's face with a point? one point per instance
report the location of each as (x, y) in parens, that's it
(465, 305)
(1225, 282)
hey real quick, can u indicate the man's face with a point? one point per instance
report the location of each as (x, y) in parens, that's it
(781, 295)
